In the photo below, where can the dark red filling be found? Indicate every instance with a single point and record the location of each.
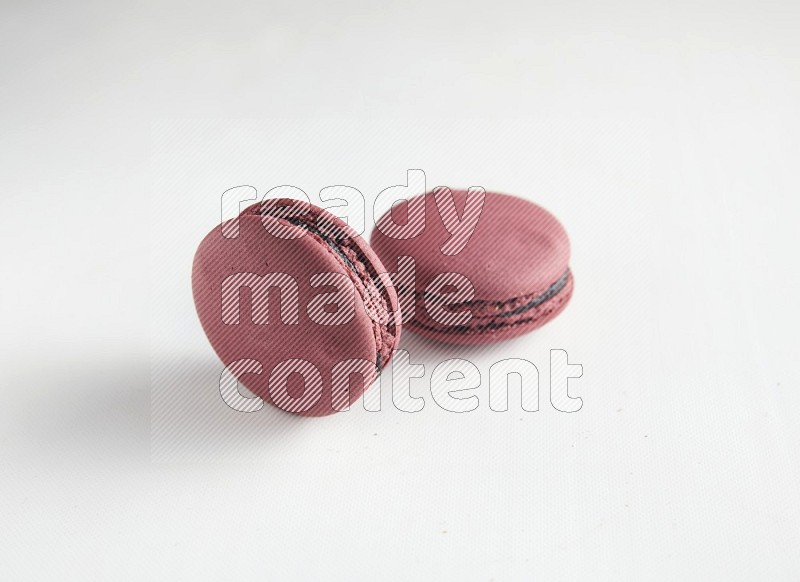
(359, 268)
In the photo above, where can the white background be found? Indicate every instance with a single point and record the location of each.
(664, 137)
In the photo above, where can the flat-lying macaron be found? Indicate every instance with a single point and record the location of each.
(297, 306)
(487, 266)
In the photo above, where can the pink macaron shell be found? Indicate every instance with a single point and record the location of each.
(517, 247)
(257, 251)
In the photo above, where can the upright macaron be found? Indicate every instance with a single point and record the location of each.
(486, 266)
(296, 305)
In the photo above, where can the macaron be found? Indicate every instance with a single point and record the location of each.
(486, 266)
(296, 305)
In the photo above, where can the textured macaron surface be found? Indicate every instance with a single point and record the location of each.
(516, 259)
(261, 296)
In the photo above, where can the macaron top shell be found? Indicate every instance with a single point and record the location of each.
(516, 249)
(291, 331)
